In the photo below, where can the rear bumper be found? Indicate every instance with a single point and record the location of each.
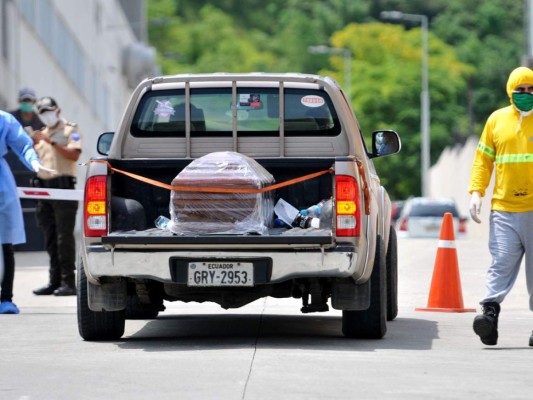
(156, 264)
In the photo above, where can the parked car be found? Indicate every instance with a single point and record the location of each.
(396, 210)
(422, 217)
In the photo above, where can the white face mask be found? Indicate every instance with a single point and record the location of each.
(49, 118)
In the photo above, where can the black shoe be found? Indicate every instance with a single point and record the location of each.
(486, 325)
(531, 340)
(65, 290)
(46, 290)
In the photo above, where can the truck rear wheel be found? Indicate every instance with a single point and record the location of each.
(94, 326)
(371, 323)
(392, 276)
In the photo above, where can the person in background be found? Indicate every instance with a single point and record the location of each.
(59, 147)
(506, 146)
(25, 114)
(13, 137)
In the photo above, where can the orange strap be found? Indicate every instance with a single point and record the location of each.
(180, 188)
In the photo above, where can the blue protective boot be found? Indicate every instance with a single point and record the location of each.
(7, 307)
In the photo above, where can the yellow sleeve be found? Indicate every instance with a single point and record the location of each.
(483, 160)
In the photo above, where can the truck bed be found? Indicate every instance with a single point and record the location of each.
(136, 205)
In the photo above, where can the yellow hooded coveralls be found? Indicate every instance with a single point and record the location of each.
(507, 143)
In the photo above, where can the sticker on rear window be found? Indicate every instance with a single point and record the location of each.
(164, 109)
(312, 101)
(252, 100)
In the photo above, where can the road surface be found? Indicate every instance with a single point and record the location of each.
(268, 350)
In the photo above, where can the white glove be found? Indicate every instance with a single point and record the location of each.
(475, 206)
(37, 166)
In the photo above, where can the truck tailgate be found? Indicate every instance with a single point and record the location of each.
(277, 238)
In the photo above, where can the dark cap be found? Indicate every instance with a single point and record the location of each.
(26, 94)
(46, 104)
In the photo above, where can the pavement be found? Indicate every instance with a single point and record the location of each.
(267, 349)
(31, 272)
(416, 267)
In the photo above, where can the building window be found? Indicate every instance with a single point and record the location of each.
(58, 38)
(5, 31)
(45, 21)
(91, 90)
(103, 103)
(27, 8)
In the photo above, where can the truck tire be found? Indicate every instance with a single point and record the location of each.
(371, 323)
(392, 276)
(95, 326)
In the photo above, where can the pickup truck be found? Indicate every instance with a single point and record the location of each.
(301, 130)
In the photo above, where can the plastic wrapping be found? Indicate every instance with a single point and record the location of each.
(222, 213)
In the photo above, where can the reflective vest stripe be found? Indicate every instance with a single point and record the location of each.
(486, 149)
(514, 158)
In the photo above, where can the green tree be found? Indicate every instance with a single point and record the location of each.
(219, 44)
(212, 42)
(279, 30)
(473, 46)
(488, 34)
(386, 84)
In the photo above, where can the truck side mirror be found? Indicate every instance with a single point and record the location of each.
(104, 143)
(385, 143)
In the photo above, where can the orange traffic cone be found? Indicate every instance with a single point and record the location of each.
(445, 294)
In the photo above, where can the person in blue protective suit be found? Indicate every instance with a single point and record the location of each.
(13, 137)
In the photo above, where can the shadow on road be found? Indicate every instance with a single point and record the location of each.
(213, 332)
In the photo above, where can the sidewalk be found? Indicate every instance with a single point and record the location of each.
(31, 272)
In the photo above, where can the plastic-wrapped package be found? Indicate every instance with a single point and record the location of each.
(222, 213)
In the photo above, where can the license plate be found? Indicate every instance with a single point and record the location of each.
(432, 227)
(220, 273)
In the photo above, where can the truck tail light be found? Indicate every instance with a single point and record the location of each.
(404, 224)
(95, 206)
(462, 224)
(347, 206)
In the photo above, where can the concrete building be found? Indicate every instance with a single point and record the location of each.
(87, 54)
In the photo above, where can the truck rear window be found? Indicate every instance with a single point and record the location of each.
(162, 113)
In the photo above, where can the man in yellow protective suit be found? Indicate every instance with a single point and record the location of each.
(506, 146)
